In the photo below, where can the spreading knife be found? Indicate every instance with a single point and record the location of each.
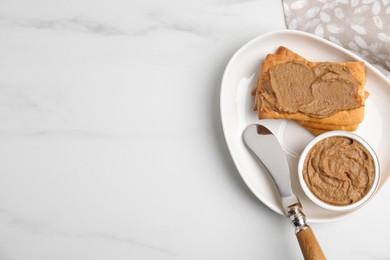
(268, 151)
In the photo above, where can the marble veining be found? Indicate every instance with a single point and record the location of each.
(43, 229)
(65, 24)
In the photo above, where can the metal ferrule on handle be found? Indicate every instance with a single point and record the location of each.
(297, 218)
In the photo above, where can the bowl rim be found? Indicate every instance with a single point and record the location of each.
(318, 201)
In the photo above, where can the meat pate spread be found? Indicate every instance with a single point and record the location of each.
(318, 91)
(339, 170)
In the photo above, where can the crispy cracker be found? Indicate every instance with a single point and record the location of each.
(342, 120)
(329, 127)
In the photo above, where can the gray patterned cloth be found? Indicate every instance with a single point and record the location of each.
(362, 26)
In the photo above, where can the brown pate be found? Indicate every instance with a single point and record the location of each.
(339, 170)
(319, 91)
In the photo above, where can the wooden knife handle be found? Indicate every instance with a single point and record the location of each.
(310, 247)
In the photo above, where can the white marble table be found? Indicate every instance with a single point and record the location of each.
(111, 145)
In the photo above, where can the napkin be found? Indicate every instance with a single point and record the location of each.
(361, 26)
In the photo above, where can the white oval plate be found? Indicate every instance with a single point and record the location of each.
(237, 112)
